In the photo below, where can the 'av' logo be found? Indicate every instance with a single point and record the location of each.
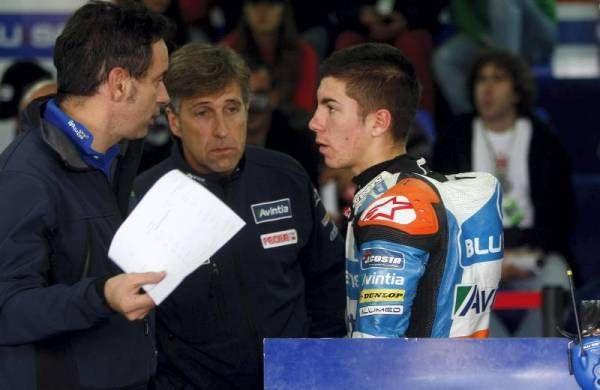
(468, 298)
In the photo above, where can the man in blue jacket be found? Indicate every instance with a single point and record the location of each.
(69, 319)
(282, 275)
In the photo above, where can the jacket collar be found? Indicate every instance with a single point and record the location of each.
(81, 137)
(56, 140)
(182, 165)
(402, 163)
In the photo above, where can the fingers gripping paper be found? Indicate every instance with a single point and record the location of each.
(175, 228)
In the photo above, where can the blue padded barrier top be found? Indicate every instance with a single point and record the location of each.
(494, 363)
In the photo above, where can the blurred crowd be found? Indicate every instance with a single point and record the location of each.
(477, 109)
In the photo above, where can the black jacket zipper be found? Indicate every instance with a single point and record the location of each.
(244, 297)
(216, 288)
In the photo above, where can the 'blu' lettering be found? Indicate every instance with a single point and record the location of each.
(473, 246)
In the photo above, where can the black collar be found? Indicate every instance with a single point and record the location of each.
(218, 178)
(402, 163)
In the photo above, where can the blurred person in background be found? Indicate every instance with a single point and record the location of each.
(503, 136)
(270, 128)
(267, 34)
(527, 28)
(15, 79)
(179, 34)
(408, 25)
(38, 89)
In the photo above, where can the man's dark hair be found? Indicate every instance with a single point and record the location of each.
(100, 36)
(201, 69)
(517, 70)
(377, 76)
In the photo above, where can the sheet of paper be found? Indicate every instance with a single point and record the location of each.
(175, 228)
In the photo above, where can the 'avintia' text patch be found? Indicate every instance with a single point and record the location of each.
(272, 211)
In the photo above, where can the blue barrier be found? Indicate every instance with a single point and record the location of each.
(494, 363)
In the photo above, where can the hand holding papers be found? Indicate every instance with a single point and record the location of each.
(175, 228)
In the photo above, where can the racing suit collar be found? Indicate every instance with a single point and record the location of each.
(401, 163)
(181, 164)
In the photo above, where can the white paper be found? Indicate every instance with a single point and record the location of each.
(175, 228)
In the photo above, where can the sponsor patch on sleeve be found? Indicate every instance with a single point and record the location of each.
(381, 258)
(408, 206)
(471, 300)
(372, 310)
(277, 239)
(381, 295)
(272, 211)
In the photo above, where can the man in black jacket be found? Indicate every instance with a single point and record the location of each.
(282, 275)
(69, 319)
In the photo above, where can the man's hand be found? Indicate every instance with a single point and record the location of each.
(123, 293)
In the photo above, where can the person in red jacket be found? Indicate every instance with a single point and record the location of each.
(267, 35)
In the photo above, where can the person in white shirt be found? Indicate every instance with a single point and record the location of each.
(504, 137)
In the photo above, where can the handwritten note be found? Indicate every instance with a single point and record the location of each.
(175, 228)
